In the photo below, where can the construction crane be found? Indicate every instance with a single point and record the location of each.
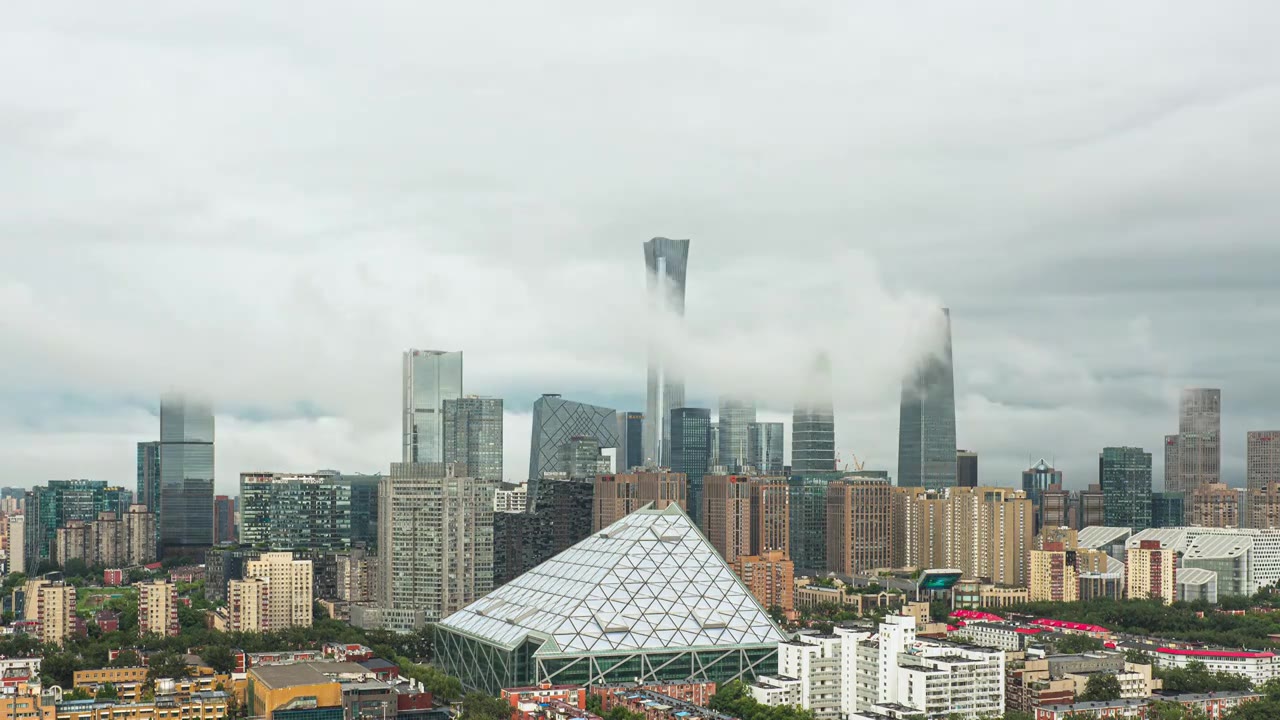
(858, 465)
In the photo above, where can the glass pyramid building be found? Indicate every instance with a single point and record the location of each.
(645, 599)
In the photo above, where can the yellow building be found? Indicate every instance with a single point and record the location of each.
(986, 532)
(1152, 572)
(289, 602)
(248, 605)
(272, 687)
(55, 610)
(201, 706)
(158, 608)
(1053, 574)
(1214, 504)
(113, 675)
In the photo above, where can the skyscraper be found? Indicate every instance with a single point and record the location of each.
(224, 519)
(770, 516)
(764, 447)
(666, 261)
(736, 416)
(149, 474)
(1126, 487)
(726, 514)
(927, 421)
(813, 425)
(808, 508)
(1262, 459)
(186, 475)
(430, 378)
(1035, 480)
(473, 435)
(1199, 438)
(630, 440)
(859, 524)
(691, 452)
(966, 468)
(1172, 479)
(556, 421)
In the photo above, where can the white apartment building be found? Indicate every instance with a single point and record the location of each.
(1259, 667)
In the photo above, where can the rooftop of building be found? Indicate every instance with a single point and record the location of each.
(1217, 547)
(1095, 537)
(305, 673)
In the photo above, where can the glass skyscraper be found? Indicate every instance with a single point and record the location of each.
(813, 425)
(473, 435)
(185, 515)
(430, 378)
(691, 451)
(630, 440)
(665, 261)
(927, 421)
(736, 414)
(556, 421)
(1126, 487)
(764, 447)
(1199, 441)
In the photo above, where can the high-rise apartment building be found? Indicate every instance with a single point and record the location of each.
(1199, 449)
(1264, 507)
(1214, 505)
(617, 496)
(556, 421)
(1035, 480)
(50, 506)
(859, 525)
(249, 605)
(473, 435)
(185, 516)
(111, 540)
(666, 263)
(1053, 574)
(289, 580)
(770, 577)
(435, 539)
(1125, 474)
(690, 453)
(737, 414)
(984, 531)
(813, 427)
(1262, 459)
(927, 420)
(1055, 508)
(149, 474)
(727, 515)
(966, 468)
(55, 610)
(224, 519)
(158, 609)
(630, 440)
(1152, 572)
(770, 516)
(295, 511)
(764, 448)
(17, 525)
(430, 378)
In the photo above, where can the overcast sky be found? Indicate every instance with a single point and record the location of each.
(268, 202)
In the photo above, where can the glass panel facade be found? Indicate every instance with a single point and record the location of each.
(691, 451)
(927, 421)
(430, 378)
(185, 514)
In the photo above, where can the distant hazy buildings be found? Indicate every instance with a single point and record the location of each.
(473, 435)
(1214, 505)
(186, 475)
(764, 447)
(52, 505)
(224, 519)
(736, 416)
(1198, 448)
(966, 468)
(1262, 459)
(1125, 473)
(813, 428)
(666, 262)
(556, 421)
(630, 440)
(1035, 480)
(149, 474)
(430, 378)
(691, 453)
(927, 421)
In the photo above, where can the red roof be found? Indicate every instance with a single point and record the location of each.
(976, 615)
(1214, 653)
(952, 628)
(1082, 627)
(1028, 631)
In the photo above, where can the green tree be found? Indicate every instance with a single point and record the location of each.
(107, 692)
(1101, 687)
(1018, 715)
(13, 581)
(127, 658)
(478, 706)
(219, 658)
(1267, 709)
(1137, 657)
(78, 693)
(1070, 644)
(594, 705)
(617, 712)
(166, 664)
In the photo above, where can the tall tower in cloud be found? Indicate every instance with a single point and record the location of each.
(665, 262)
(430, 378)
(813, 424)
(927, 421)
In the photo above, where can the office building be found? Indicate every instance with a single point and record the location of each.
(52, 505)
(1172, 478)
(582, 459)
(713, 443)
(630, 440)
(666, 262)
(430, 377)
(1091, 507)
(927, 420)
(295, 511)
(646, 599)
(224, 519)
(690, 453)
(149, 474)
(473, 435)
(770, 516)
(616, 496)
(436, 539)
(1262, 459)
(1264, 506)
(556, 421)
(764, 448)
(807, 497)
(859, 525)
(511, 498)
(1037, 479)
(966, 468)
(1151, 571)
(1167, 509)
(158, 608)
(727, 514)
(1214, 504)
(813, 426)
(1125, 474)
(288, 603)
(1230, 560)
(735, 419)
(770, 577)
(186, 475)
(1055, 508)
(1199, 444)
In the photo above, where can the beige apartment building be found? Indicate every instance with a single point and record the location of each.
(158, 608)
(617, 496)
(726, 514)
(859, 524)
(1152, 572)
(289, 603)
(1214, 504)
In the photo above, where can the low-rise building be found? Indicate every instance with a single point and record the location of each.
(1004, 636)
(1212, 705)
(1259, 667)
(200, 706)
(657, 706)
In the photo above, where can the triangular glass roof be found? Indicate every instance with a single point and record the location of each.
(646, 582)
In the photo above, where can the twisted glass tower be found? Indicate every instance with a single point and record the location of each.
(665, 261)
(927, 421)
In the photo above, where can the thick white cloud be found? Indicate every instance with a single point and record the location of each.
(271, 204)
